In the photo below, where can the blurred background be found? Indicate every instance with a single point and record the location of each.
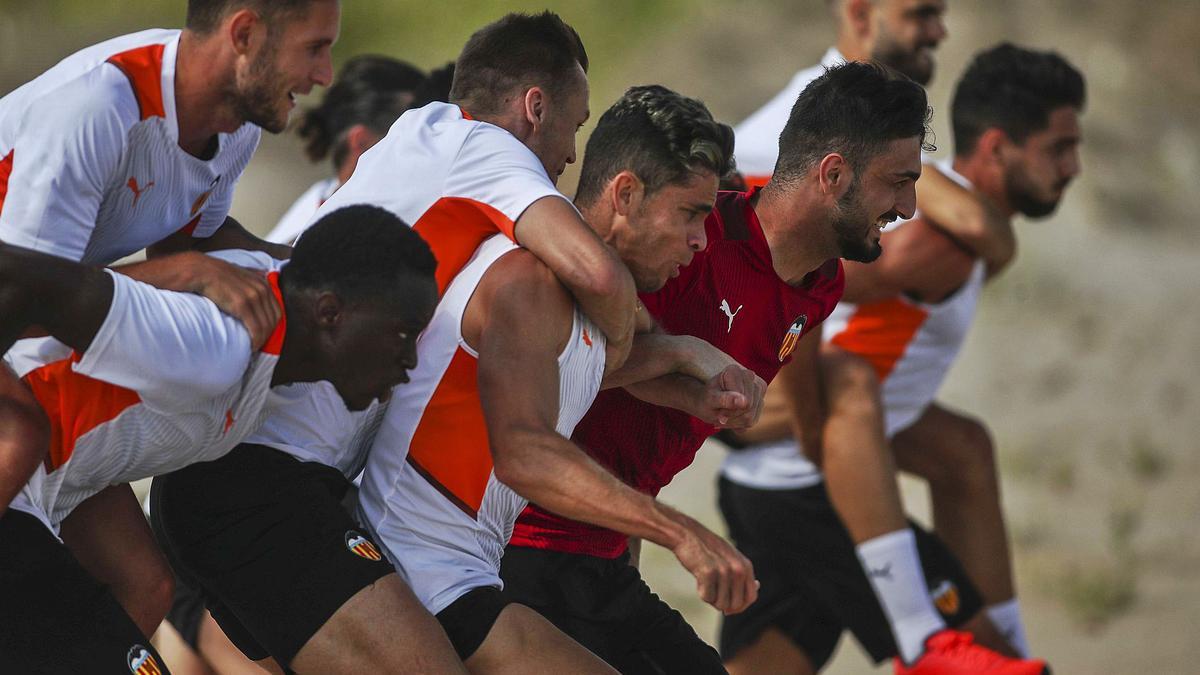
(1084, 359)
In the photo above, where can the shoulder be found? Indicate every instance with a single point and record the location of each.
(99, 100)
(522, 295)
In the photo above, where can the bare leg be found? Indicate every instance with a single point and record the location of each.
(109, 535)
(522, 642)
(955, 454)
(860, 472)
(176, 653)
(773, 652)
(383, 628)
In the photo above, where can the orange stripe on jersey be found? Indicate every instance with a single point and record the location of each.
(75, 404)
(5, 172)
(454, 227)
(450, 445)
(143, 67)
(880, 332)
(274, 343)
(756, 181)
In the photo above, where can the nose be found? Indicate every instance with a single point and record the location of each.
(1070, 164)
(323, 74)
(935, 30)
(906, 202)
(697, 237)
(571, 157)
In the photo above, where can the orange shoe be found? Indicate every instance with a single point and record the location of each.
(951, 652)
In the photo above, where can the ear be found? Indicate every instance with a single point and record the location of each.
(857, 15)
(328, 309)
(626, 191)
(993, 143)
(359, 139)
(240, 27)
(834, 175)
(535, 107)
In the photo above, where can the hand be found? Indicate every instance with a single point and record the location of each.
(724, 577)
(739, 393)
(242, 293)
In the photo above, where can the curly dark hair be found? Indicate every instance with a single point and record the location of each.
(661, 136)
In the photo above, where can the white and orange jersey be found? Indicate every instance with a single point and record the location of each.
(90, 163)
(457, 182)
(429, 493)
(168, 380)
(911, 346)
(756, 139)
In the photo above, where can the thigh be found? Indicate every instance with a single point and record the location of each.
(931, 446)
(56, 618)
(523, 642)
(267, 540)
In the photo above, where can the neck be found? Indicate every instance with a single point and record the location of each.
(600, 216)
(202, 82)
(852, 47)
(796, 230)
(988, 179)
(297, 356)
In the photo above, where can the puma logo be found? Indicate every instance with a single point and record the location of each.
(729, 313)
(884, 572)
(137, 191)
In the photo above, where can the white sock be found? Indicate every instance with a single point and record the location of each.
(894, 570)
(1007, 618)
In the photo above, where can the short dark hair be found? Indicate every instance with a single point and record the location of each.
(518, 51)
(853, 109)
(1014, 89)
(661, 136)
(358, 252)
(370, 90)
(203, 16)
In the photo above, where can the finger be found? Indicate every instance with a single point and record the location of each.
(707, 588)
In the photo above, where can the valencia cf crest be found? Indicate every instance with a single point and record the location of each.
(361, 546)
(946, 599)
(142, 662)
(793, 337)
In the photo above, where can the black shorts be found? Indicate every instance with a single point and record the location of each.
(604, 605)
(55, 617)
(265, 539)
(468, 620)
(813, 585)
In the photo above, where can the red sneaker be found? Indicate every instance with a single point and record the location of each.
(951, 652)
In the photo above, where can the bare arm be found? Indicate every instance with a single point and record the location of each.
(554, 231)
(67, 299)
(801, 384)
(24, 436)
(918, 260)
(968, 217)
(230, 235)
(532, 458)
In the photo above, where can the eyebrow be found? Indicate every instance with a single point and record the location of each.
(700, 206)
(909, 174)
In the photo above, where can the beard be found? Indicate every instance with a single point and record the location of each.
(257, 99)
(907, 60)
(852, 228)
(1023, 194)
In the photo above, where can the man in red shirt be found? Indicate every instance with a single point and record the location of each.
(850, 156)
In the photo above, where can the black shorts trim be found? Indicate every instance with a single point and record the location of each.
(468, 620)
(606, 606)
(57, 618)
(267, 542)
(813, 586)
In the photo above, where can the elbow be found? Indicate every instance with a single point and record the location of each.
(513, 466)
(24, 435)
(607, 278)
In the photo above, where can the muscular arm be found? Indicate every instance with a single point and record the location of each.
(67, 299)
(24, 436)
(918, 260)
(531, 457)
(554, 231)
(230, 235)
(968, 217)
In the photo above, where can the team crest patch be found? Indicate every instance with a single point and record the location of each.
(793, 337)
(946, 598)
(361, 546)
(142, 662)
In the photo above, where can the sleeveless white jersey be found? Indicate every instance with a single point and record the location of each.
(756, 139)
(429, 494)
(456, 181)
(168, 380)
(90, 163)
(911, 345)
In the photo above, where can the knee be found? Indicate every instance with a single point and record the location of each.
(967, 459)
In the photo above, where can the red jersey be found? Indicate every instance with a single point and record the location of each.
(730, 296)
